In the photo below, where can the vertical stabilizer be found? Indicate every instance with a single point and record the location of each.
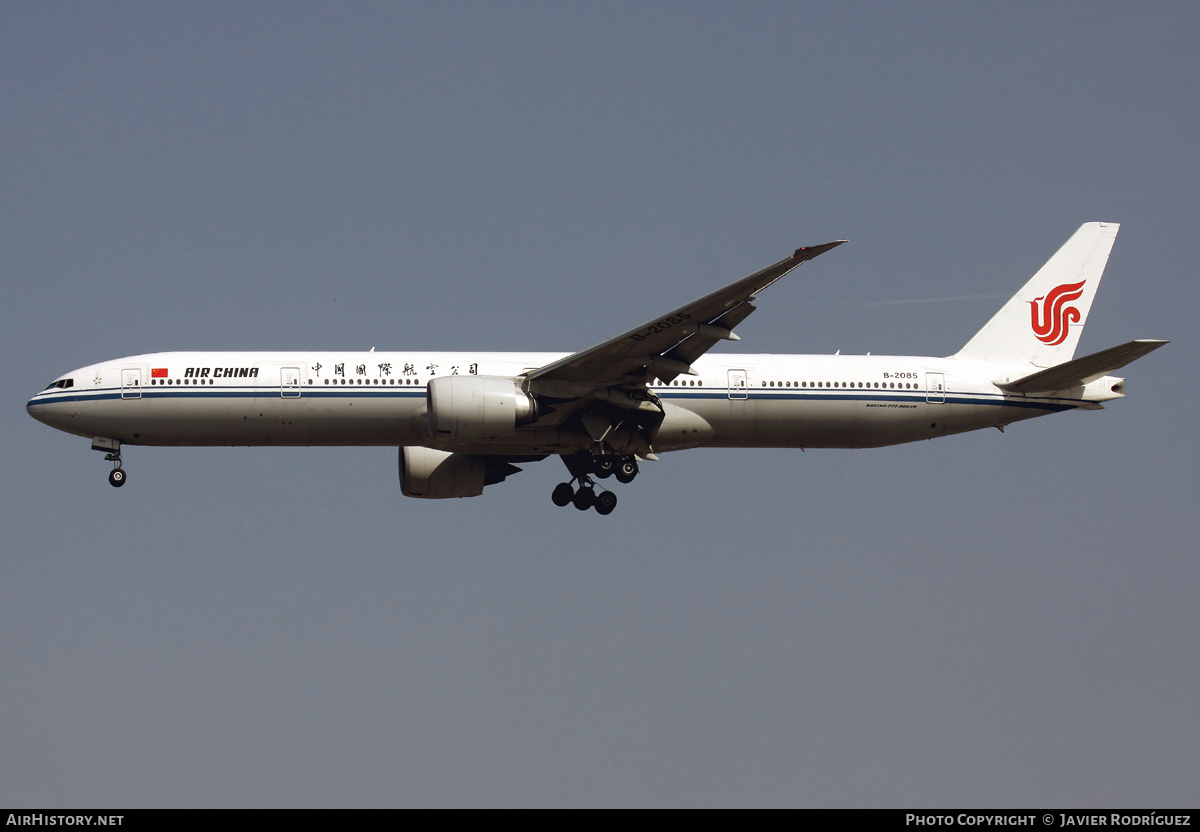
(1042, 323)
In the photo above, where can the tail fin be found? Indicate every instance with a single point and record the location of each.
(1042, 323)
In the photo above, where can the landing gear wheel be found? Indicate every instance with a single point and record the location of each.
(604, 466)
(605, 502)
(562, 495)
(116, 477)
(584, 498)
(627, 470)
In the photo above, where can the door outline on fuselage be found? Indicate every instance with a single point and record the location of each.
(935, 388)
(289, 382)
(131, 383)
(739, 384)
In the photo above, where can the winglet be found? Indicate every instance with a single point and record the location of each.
(809, 252)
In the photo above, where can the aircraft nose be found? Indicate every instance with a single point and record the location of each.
(35, 408)
(50, 412)
(57, 404)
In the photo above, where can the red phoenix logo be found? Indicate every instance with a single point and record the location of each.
(1050, 326)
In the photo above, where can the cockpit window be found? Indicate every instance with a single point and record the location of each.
(62, 384)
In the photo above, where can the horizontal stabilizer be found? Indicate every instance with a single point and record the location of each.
(1081, 371)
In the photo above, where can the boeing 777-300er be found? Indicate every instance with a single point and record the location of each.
(464, 420)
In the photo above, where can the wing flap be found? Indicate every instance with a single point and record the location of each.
(694, 346)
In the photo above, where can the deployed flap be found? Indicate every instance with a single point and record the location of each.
(672, 341)
(1082, 370)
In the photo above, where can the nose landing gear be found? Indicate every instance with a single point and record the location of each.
(116, 477)
(112, 453)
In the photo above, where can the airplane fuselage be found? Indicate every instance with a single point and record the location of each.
(379, 398)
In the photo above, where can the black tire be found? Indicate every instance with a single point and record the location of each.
(606, 501)
(584, 498)
(116, 477)
(627, 470)
(562, 494)
(604, 466)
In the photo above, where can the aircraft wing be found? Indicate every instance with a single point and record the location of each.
(666, 346)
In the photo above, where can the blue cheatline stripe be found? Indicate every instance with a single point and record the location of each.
(988, 399)
(227, 393)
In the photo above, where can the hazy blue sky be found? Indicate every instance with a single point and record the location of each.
(982, 621)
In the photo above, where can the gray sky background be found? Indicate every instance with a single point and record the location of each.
(982, 621)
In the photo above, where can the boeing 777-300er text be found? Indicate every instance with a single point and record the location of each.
(463, 420)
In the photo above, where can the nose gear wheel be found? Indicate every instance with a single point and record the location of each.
(116, 477)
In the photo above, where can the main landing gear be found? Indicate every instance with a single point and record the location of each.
(585, 498)
(582, 467)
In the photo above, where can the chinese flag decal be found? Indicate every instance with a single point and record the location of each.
(158, 372)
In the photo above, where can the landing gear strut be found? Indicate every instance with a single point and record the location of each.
(116, 477)
(112, 449)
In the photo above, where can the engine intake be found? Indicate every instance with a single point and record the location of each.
(471, 408)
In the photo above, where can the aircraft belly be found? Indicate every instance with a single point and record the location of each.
(851, 422)
(782, 423)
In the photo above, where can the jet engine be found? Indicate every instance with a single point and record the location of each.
(471, 408)
(437, 475)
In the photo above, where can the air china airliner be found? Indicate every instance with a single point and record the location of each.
(464, 420)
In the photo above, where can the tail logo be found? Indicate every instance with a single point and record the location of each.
(1050, 323)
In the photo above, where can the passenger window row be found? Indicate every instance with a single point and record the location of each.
(885, 385)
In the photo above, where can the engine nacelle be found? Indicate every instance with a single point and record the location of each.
(471, 408)
(438, 475)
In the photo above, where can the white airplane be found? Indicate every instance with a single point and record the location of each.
(461, 420)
